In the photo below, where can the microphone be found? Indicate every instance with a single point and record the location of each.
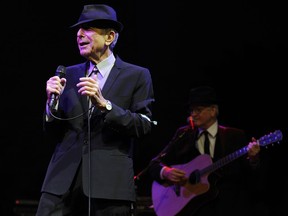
(191, 122)
(60, 72)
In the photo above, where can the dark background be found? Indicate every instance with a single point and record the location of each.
(238, 47)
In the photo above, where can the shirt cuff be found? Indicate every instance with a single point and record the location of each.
(161, 172)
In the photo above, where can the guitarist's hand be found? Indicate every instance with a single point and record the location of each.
(174, 175)
(253, 151)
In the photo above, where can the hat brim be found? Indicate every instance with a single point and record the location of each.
(191, 104)
(100, 23)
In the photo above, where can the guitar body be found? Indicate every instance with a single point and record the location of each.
(165, 200)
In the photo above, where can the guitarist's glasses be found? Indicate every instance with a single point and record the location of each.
(198, 109)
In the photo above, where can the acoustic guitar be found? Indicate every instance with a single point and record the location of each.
(168, 200)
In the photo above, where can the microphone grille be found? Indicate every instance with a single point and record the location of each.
(61, 71)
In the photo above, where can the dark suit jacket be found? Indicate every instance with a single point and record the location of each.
(232, 179)
(109, 149)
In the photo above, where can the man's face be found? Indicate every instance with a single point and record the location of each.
(203, 116)
(91, 42)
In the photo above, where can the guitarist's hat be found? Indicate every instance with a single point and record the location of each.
(203, 96)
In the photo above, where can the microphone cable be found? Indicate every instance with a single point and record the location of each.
(89, 113)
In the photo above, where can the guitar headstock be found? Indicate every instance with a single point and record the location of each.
(276, 136)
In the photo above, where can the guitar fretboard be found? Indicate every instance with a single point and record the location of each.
(220, 163)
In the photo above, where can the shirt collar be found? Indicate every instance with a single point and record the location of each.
(104, 66)
(213, 129)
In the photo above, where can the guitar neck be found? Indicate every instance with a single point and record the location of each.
(276, 136)
(222, 162)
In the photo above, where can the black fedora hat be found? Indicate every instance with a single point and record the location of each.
(99, 15)
(202, 96)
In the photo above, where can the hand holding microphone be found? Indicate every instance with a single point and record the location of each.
(55, 86)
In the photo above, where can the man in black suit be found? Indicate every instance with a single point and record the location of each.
(185, 155)
(95, 112)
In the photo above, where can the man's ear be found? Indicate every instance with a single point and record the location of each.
(109, 38)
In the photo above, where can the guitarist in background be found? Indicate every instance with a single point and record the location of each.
(231, 187)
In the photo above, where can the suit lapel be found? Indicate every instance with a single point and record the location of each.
(112, 76)
(220, 144)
